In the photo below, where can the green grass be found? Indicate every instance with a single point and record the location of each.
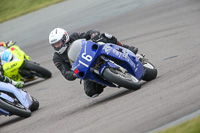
(191, 126)
(13, 8)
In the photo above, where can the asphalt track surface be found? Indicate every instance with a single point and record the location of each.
(166, 31)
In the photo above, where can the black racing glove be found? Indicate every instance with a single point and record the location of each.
(70, 75)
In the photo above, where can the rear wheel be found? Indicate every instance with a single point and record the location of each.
(14, 108)
(123, 79)
(37, 70)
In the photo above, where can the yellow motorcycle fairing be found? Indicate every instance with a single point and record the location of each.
(11, 68)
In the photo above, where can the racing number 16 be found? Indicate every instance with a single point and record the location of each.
(86, 57)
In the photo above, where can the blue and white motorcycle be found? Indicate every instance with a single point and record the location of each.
(109, 64)
(14, 101)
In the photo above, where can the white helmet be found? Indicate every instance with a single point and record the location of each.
(56, 36)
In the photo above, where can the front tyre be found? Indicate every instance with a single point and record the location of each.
(151, 72)
(123, 79)
(35, 104)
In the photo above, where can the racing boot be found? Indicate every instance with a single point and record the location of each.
(131, 48)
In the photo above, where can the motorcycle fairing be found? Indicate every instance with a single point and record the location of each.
(87, 59)
(22, 96)
(7, 97)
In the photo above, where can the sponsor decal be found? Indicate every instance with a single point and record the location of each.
(125, 54)
(107, 49)
(116, 52)
(9, 67)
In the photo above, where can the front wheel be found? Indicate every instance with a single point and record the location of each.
(123, 79)
(35, 104)
(151, 72)
(14, 108)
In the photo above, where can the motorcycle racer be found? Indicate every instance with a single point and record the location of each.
(10, 68)
(60, 40)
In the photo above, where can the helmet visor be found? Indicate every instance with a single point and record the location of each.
(58, 45)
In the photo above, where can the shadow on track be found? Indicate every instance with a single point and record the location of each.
(33, 82)
(96, 103)
(11, 121)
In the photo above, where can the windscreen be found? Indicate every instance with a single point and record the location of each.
(74, 50)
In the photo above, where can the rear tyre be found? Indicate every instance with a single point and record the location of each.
(151, 72)
(37, 70)
(14, 108)
(123, 79)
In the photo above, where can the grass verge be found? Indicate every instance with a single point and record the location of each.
(13, 8)
(191, 126)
